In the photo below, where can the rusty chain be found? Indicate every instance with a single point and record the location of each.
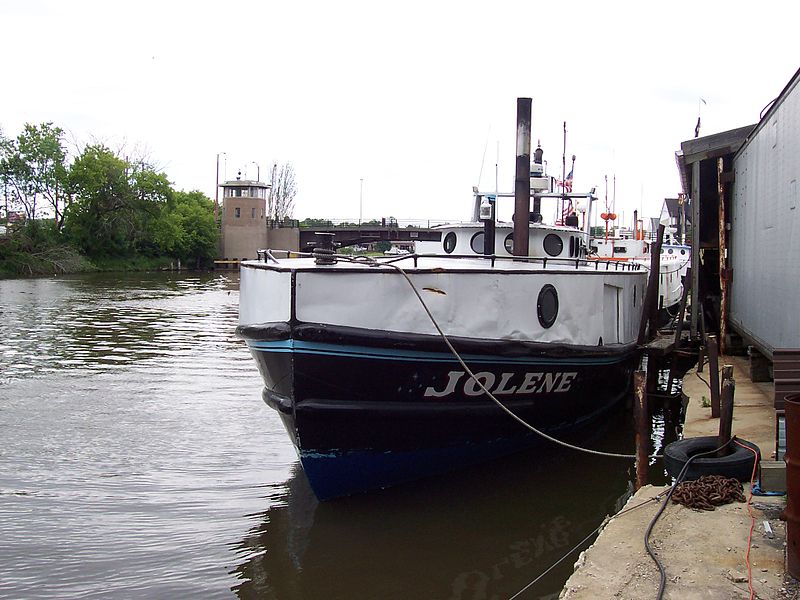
(708, 492)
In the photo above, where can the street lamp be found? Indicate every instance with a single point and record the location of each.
(258, 176)
(216, 189)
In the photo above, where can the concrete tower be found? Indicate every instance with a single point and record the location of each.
(244, 225)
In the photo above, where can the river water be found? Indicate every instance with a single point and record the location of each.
(137, 460)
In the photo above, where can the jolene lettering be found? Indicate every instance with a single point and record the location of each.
(505, 385)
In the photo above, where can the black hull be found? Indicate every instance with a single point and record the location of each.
(368, 411)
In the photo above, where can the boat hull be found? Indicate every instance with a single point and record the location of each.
(370, 409)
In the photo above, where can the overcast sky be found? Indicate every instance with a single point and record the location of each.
(412, 97)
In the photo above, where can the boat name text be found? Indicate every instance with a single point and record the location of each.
(504, 385)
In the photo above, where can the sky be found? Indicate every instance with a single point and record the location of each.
(396, 109)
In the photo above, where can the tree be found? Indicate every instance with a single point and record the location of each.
(32, 168)
(283, 189)
(117, 207)
(194, 213)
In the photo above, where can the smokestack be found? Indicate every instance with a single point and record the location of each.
(522, 181)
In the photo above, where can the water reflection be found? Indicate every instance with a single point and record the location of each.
(482, 533)
(103, 323)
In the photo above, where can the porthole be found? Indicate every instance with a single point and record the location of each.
(670, 251)
(476, 243)
(683, 252)
(553, 244)
(449, 242)
(547, 306)
(508, 244)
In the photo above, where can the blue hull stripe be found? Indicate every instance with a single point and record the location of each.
(302, 347)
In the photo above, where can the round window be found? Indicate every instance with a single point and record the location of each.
(449, 242)
(553, 244)
(508, 244)
(547, 306)
(476, 243)
(670, 251)
(683, 252)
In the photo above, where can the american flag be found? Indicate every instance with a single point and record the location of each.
(567, 183)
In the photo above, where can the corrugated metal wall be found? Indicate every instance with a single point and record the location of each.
(764, 248)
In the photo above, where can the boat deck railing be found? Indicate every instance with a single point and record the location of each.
(268, 254)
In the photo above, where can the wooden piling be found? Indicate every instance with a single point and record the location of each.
(642, 426)
(713, 374)
(723, 279)
(650, 305)
(701, 358)
(726, 414)
(687, 282)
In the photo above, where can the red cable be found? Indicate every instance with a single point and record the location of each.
(752, 518)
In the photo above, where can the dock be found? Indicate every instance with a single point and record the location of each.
(703, 552)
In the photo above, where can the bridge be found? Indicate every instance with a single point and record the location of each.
(368, 234)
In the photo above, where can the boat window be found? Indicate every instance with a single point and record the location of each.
(476, 243)
(683, 252)
(509, 243)
(547, 305)
(449, 242)
(620, 250)
(572, 245)
(553, 244)
(670, 251)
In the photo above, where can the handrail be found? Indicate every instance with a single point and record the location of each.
(265, 255)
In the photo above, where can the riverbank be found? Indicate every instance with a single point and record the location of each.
(66, 261)
(704, 553)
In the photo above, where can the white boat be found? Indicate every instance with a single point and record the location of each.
(380, 367)
(635, 246)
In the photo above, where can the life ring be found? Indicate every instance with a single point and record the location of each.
(738, 464)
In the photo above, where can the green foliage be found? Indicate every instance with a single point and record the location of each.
(37, 248)
(383, 246)
(316, 223)
(196, 238)
(597, 231)
(122, 209)
(33, 170)
(119, 213)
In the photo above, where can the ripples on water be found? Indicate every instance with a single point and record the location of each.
(138, 461)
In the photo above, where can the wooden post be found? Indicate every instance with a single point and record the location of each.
(642, 427)
(701, 357)
(655, 263)
(723, 282)
(687, 282)
(695, 197)
(650, 304)
(726, 415)
(713, 374)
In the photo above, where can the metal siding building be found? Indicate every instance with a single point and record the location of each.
(764, 248)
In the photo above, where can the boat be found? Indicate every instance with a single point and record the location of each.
(636, 245)
(389, 369)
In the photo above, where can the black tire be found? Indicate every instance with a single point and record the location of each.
(738, 464)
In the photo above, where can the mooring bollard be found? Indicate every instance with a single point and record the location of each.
(713, 374)
(642, 423)
(792, 458)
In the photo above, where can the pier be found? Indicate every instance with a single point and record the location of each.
(703, 552)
